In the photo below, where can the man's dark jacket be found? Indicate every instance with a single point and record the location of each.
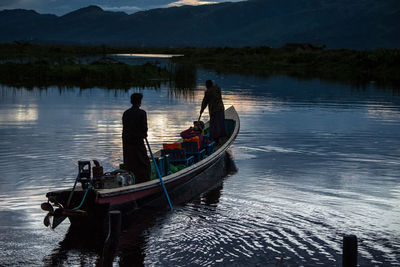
(134, 122)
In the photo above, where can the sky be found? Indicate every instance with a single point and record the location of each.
(61, 7)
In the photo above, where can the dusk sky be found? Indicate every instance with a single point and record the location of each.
(61, 7)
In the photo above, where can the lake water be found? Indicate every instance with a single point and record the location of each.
(315, 161)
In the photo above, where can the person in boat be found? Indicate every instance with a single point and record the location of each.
(213, 99)
(134, 131)
(196, 130)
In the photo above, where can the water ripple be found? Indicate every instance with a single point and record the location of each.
(312, 168)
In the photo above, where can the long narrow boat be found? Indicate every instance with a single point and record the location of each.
(91, 204)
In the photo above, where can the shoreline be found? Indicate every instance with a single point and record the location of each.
(357, 68)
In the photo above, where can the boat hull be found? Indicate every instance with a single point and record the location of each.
(181, 186)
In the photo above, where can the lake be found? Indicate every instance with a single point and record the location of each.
(316, 161)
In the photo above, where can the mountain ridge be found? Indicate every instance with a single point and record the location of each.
(360, 24)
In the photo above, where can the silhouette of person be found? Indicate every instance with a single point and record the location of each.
(213, 99)
(134, 122)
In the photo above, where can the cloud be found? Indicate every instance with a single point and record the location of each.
(191, 3)
(16, 3)
(127, 9)
(61, 7)
(6, 3)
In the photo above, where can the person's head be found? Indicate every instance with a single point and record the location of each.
(136, 99)
(198, 125)
(209, 84)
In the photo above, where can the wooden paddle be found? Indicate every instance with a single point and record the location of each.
(159, 175)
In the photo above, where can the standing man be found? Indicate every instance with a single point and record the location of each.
(213, 98)
(134, 122)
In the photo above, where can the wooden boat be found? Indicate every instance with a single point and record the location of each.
(92, 204)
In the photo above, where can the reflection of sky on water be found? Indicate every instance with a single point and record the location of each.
(20, 114)
(146, 56)
(139, 59)
(316, 161)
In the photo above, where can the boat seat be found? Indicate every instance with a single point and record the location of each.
(178, 156)
(192, 149)
(208, 145)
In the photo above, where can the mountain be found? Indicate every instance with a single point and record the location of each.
(358, 24)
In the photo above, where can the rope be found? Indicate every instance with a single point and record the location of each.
(83, 199)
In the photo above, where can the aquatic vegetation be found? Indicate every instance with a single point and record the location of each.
(54, 63)
(63, 53)
(381, 66)
(27, 65)
(98, 74)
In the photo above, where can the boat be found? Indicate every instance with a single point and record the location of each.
(87, 203)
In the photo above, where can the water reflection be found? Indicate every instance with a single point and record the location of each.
(136, 227)
(315, 161)
(356, 82)
(76, 247)
(21, 114)
(134, 56)
(185, 77)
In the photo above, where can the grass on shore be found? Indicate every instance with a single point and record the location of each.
(112, 75)
(64, 53)
(359, 68)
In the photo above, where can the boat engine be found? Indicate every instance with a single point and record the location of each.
(98, 180)
(58, 208)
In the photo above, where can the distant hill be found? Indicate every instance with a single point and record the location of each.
(358, 24)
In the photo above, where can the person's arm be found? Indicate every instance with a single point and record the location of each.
(123, 122)
(205, 101)
(144, 124)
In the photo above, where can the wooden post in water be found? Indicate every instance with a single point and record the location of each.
(349, 251)
(111, 242)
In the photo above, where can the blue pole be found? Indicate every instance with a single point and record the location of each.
(159, 175)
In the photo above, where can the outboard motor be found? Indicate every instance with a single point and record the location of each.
(62, 210)
(98, 180)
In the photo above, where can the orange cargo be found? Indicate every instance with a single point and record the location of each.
(172, 146)
(193, 139)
